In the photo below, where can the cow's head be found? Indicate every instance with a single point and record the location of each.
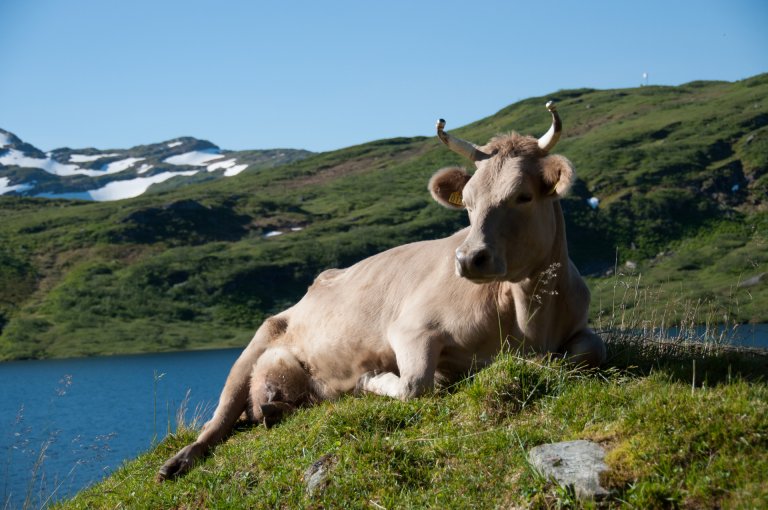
(513, 223)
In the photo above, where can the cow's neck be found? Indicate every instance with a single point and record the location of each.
(529, 302)
(556, 262)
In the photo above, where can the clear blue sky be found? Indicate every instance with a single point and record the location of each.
(324, 75)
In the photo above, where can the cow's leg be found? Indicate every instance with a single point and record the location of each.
(232, 402)
(279, 384)
(416, 361)
(585, 348)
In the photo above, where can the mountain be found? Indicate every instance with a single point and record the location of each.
(671, 201)
(91, 174)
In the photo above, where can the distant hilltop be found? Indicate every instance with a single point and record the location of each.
(92, 174)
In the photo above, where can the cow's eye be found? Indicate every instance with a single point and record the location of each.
(523, 199)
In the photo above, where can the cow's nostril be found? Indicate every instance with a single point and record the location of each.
(480, 259)
(473, 263)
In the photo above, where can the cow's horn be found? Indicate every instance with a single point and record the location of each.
(459, 146)
(550, 138)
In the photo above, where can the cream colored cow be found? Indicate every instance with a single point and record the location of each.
(396, 323)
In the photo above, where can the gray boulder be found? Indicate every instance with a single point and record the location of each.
(572, 463)
(316, 476)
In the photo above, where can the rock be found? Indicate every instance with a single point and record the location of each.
(751, 282)
(572, 463)
(316, 475)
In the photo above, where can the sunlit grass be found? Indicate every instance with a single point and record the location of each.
(685, 425)
(668, 443)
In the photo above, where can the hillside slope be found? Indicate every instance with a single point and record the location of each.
(669, 444)
(680, 175)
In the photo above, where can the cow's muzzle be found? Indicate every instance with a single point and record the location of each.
(478, 265)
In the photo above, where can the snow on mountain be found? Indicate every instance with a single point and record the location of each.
(119, 166)
(91, 174)
(194, 158)
(230, 167)
(201, 158)
(83, 158)
(15, 157)
(118, 190)
(221, 164)
(5, 186)
(231, 172)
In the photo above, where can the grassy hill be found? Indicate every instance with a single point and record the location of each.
(681, 174)
(682, 428)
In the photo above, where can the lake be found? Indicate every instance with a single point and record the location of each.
(87, 416)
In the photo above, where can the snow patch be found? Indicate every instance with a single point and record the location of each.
(5, 185)
(230, 167)
(229, 172)
(5, 139)
(145, 168)
(119, 166)
(171, 145)
(194, 158)
(84, 158)
(17, 158)
(222, 164)
(118, 190)
(275, 233)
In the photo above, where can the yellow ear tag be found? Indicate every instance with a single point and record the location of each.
(455, 199)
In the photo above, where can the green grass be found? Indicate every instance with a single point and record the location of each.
(670, 443)
(191, 264)
(696, 280)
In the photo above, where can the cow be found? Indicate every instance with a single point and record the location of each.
(429, 312)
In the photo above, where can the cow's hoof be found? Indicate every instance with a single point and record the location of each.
(360, 386)
(179, 463)
(172, 469)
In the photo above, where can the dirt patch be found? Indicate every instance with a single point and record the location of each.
(355, 167)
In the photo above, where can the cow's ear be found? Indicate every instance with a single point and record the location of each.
(446, 187)
(557, 175)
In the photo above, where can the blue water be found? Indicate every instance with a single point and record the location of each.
(87, 416)
(81, 418)
(744, 335)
